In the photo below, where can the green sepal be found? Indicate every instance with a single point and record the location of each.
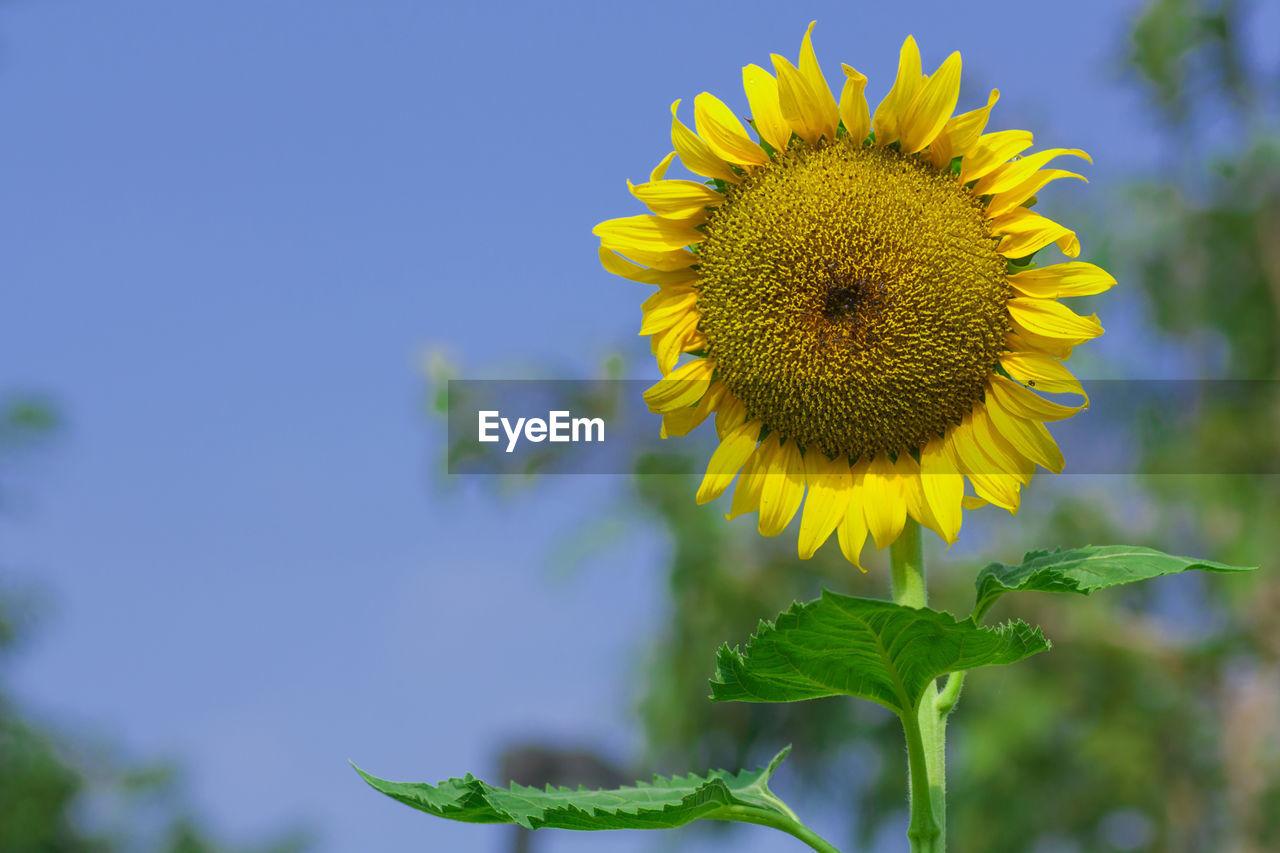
(866, 647)
(662, 804)
(1083, 570)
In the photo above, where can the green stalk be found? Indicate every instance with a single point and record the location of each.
(926, 728)
(793, 827)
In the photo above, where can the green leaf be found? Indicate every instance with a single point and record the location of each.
(866, 647)
(663, 804)
(1082, 570)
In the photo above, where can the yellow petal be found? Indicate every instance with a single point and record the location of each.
(999, 489)
(724, 134)
(676, 260)
(1029, 438)
(1009, 175)
(734, 451)
(695, 154)
(621, 266)
(931, 108)
(1026, 403)
(1005, 456)
(660, 171)
(829, 482)
(943, 489)
(801, 107)
(1024, 341)
(766, 112)
(746, 495)
(1051, 319)
(908, 471)
(854, 111)
(1069, 244)
(1004, 202)
(825, 104)
(1074, 278)
(961, 133)
(646, 234)
(991, 150)
(665, 308)
(695, 341)
(1042, 373)
(888, 115)
(1026, 232)
(852, 531)
(668, 344)
(683, 387)
(884, 503)
(684, 421)
(731, 414)
(677, 199)
(984, 472)
(939, 153)
(783, 489)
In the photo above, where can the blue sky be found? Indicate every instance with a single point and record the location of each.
(227, 234)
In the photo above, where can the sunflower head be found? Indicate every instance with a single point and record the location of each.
(856, 298)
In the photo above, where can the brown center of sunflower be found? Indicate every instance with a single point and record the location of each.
(853, 298)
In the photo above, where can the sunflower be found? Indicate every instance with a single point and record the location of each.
(853, 298)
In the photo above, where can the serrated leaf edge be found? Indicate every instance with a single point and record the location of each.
(740, 654)
(718, 781)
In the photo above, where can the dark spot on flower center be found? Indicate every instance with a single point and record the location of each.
(842, 301)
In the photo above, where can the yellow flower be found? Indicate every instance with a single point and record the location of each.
(855, 295)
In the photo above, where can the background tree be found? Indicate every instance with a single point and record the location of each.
(50, 779)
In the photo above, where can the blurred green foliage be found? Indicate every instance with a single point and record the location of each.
(1186, 50)
(50, 781)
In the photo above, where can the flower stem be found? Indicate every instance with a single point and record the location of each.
(925, 727)
(906, 565)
